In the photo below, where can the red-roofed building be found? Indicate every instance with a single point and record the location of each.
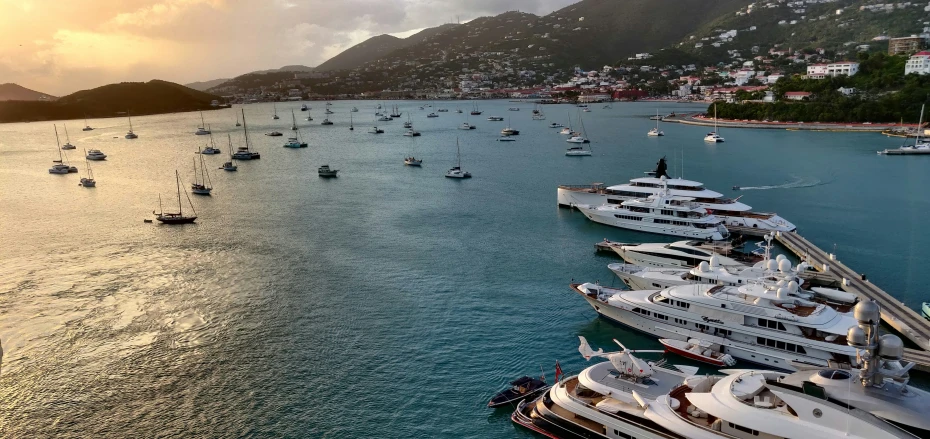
(797, 95)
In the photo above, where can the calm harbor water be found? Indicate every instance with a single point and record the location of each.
(389, 302)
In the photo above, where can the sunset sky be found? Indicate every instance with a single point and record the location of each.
(62, 46)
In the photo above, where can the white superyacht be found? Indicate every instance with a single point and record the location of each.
(661, 213)
(777, 328)
(732, 212)
(872, 401)
(680, 254)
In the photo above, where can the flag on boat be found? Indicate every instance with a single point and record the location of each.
(558, 371)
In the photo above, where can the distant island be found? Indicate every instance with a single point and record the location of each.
(139, 98)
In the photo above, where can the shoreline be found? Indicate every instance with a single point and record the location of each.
(696, 119)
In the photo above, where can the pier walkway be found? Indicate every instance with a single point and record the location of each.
(894, 313)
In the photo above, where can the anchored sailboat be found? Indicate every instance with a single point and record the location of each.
(179, 217)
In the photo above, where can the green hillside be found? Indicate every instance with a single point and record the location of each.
(153, 97)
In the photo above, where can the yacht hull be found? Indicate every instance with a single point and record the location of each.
(740, 351)
(572, 197)
(651, 227)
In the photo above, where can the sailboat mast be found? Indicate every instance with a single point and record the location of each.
(177, 179)
(919, 125)
(129, 114)
(201, 119)
(245, 130)
(195, 171)
(58, 142)
(458, 153)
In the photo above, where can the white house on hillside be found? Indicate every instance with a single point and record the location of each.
(919, 63)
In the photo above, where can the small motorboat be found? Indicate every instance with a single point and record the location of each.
(326, 122)
(699, 350)
(432, 115)
(412, 133)
(495, 118)
(925, 310)
(466, 126)
(513, 109)
(577, 139)
(304, 107)
(412, 161)
(520, 389)
(376, 130)
(325, 171)
(210, 150)
(735, 188)
(274, 134)
(510, 132)
(555, 125)
(506, 139)
(385, 119)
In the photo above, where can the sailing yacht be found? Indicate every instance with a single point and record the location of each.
(475, 112)
(412, 160)
(229, 166)
(456, 171)
(915, 149)
(237, 120)
(328, 111)
(579, 137)
(201, 186)
(212, 149)
(60, 167)
(396, 112)
(130, 134)
(714, 136)
(733, 212)
(67, 144)
(89, 180)
(201, 131)
(655, 131)
(293, 121)
(275, 117)
(408, 123)
(179, 217)
(508, 131)
(243, 152)
(351, 126)
(86, 126)
(537, 113)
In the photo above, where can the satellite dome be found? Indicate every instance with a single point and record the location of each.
(771, 265)
(780, 257)
(714, 261)
(890, 347)
(792, 286)
(703, 267)
(867, 311)
(784, 265)
(855, 337)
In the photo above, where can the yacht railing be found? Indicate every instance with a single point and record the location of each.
(587, 404)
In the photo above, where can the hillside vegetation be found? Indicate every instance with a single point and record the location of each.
(153, 97)
(882, 94)
(16, 92)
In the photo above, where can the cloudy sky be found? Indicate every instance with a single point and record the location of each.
(61, 46)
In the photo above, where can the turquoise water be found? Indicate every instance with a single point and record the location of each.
(389, 302)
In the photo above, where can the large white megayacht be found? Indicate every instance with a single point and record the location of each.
(660, 213)
(767, 273)
(732, 212)
(680, 254)
(616, 399)
(779, 327)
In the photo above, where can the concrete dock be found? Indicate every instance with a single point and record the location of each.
(894, 313)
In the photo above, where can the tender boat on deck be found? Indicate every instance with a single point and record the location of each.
(698, 350)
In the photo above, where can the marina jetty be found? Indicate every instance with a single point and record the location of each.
(894, 313)
(700, 120)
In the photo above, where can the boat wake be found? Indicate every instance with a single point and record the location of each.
(797, 183)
